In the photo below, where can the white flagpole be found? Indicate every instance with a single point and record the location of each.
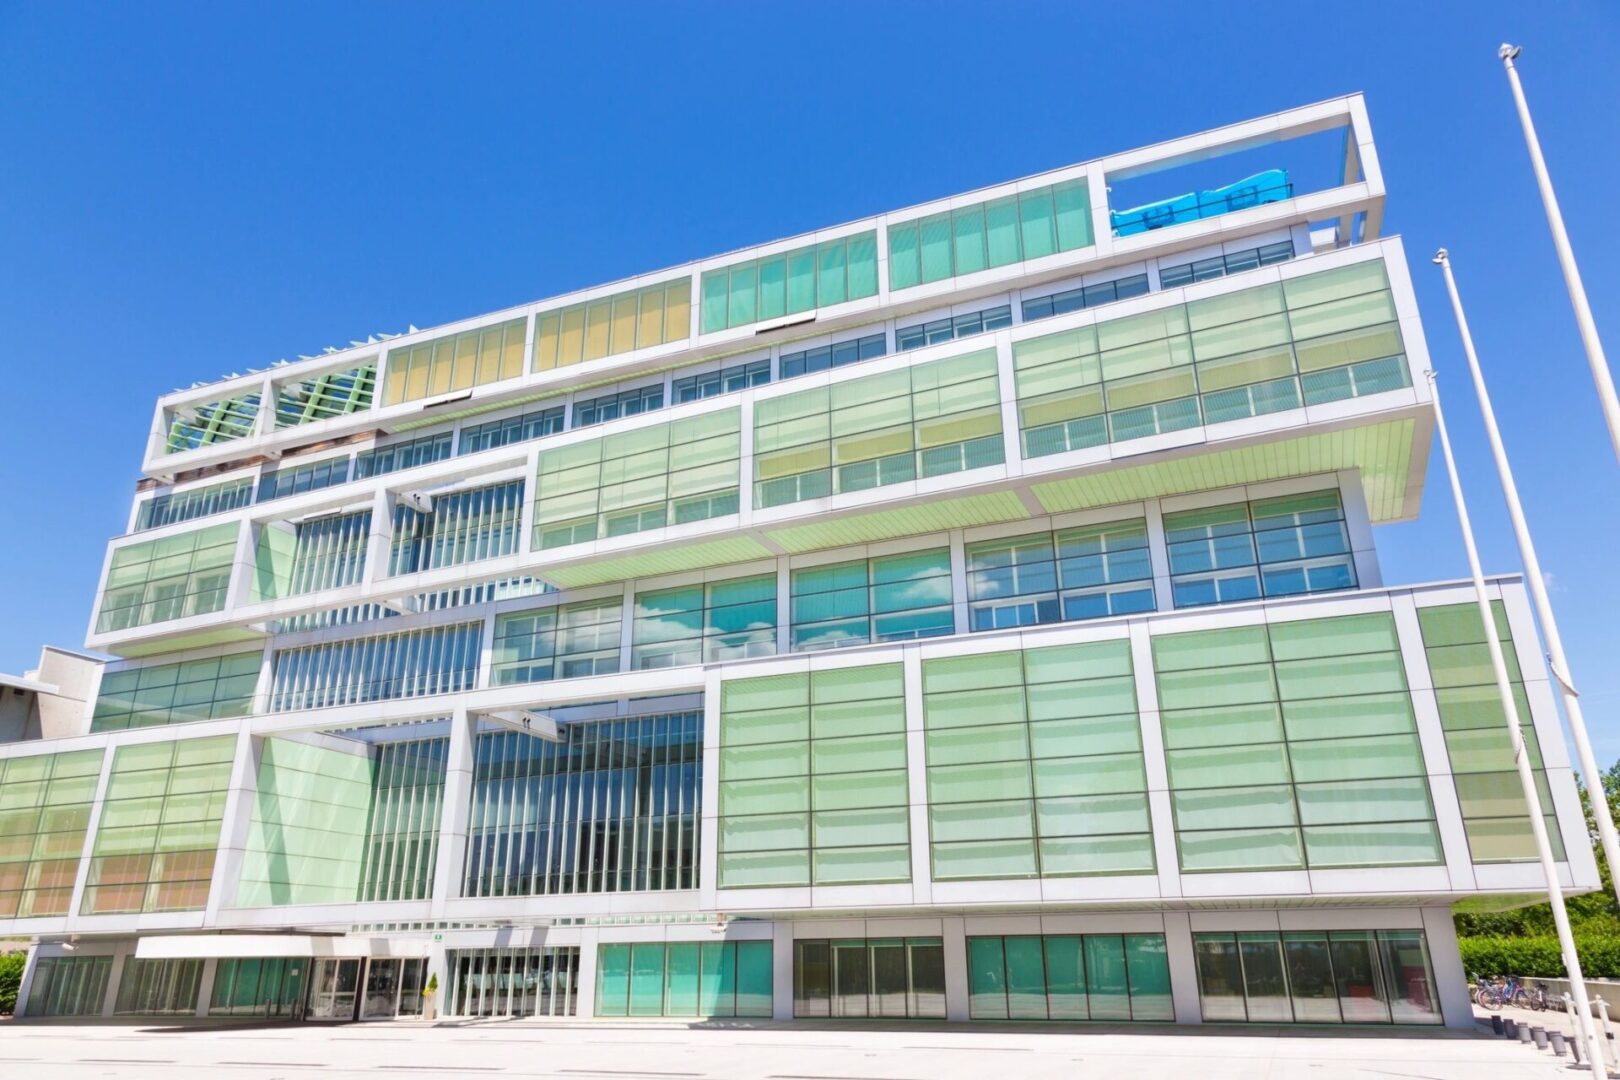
(1538, 588)
(1566, 257)
(1521, 759)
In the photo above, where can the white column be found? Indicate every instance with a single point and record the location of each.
(236, 824)
(456, 812)
(922, 874)
(959, 584)
(1158, 556)
(82, 877)
(1153, 760)
(953, 936)
(26, 987)
(1450, 980)
(781, 970)
(585, 996)
(120, 958)
(205, 985)
(1178, 946)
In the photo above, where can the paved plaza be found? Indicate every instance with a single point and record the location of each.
(755, 1051)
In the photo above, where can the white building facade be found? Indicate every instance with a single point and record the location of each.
(971, 612)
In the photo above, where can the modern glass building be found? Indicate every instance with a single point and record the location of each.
(968, 612)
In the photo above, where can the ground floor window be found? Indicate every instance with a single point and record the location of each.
(513, 982)
(1069, 977)
(69, 985)
(684, 978)
(259, 986)
(159, 987)
(869, 977)
(1317, 977)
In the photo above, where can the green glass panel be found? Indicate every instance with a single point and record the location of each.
(751, 869)
(987, 979)
(612, 980)
(1232, 766)
(1079, 855)
(1408, 843)
(1026, 978)
(984, 859)
(1217, 686)
(1065, 978)
(1241, 849)
(854, 828)
(1106, 977)
(853, 791)
(1342, 636)
(1009, 820)
(1147, 963)
(1372, 714)
(968, 745)
(842, 866)
(647, 979)
(1093, 735)
(1233, 725)
(1210, 648)
(1088, 815)
(1107, 774)
(1365, 758)
(681, 969)
(718, 979)
(754, 978)
(973, 783)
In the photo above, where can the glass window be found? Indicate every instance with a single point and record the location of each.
(722, 620)
(455, 362)
(799, 280)
(599, 410)
(382, 667)
(534, 424)
(888, 977)
(1270, 547)
(637, 319)
(1082, 573)
(459, 527)
(399, 456)
(1080, 298)
(563, 642)
(726, 380)
(322, 397)
(1339, 976)
(193, 503)
(953, 327)
(205, 689)
(892, 598)
(633, 481)
(172, 578)
(211, 423)
(990, 234)
(822, 358)
(44, 813)
(1233, 262)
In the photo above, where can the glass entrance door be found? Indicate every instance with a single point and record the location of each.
(333, 992)
(381, 1001)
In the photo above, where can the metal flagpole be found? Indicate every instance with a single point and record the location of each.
(1527, 780)
(1566, 257)
(1538, 589)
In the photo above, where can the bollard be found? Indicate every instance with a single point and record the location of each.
(1524, 1033)
(1557, 1040)
(1496, 1025)
(1539, 1035)
(1613, 1054)
(1510, 1028)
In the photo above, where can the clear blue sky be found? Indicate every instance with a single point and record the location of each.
(189, 190)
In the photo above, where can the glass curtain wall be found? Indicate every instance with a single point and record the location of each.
(1035, 764)
(613, 807)
(1477, 743)
(684, 978)
(455, 362)
(1317, 977)
(176, 507)
(321, 397)
(1069, 977)
(259, 986)
(414, 663)
(1013, 228)
(888, 977)
(159, 987)
(567, 641)
(462, 527)
(172, 578)
(1294, 745)
(635, 319)
(926, 420)
(1310, 340)
(513, 982)
(45, 806)
(803, 279)
(69, 986)
(813, 779)
(402, 831)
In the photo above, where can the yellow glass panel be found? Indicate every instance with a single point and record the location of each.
(678, 310)
(1060, 407)
(442, 365)
(571, 347)
(465, 368)
(958, 428)
(489, 356)
(546, 334)
(790, 462)
(512, 350)
(650, 330)
(1257, 366)
(1352, 346)
(597, 317)
(872, 444)
(394, 392)
(416, 384)
(1161, 386)
(1149, 356)
(623, 336)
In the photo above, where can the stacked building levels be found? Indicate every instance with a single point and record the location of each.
(967, 612)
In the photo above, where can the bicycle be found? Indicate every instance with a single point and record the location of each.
(1507, 992)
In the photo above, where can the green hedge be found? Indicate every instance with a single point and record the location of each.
(1538, 957)
(11, 970)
